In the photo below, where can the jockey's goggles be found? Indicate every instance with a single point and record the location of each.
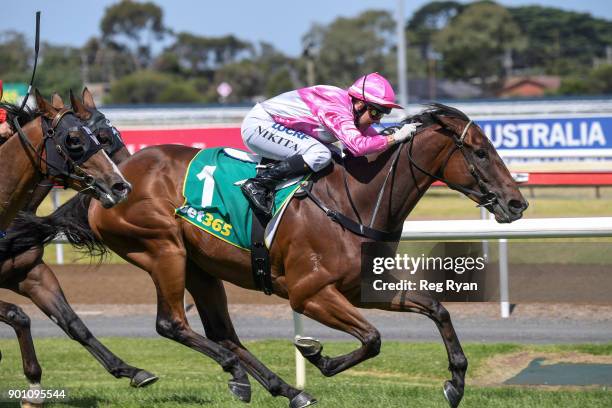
(376, 112)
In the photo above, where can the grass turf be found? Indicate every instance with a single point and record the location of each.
(403, 375)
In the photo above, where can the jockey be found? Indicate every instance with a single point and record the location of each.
(295, 127)
(5, 127)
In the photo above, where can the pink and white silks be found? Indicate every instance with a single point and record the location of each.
(303, 121)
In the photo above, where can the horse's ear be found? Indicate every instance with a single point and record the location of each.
(78, 107)
(57, 101)
(44, 107)
(88, 99)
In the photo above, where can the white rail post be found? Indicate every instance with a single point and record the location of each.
(59, 248)
(485, 244)
(300, 362)
(504, 296)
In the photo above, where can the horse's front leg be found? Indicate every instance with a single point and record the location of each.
(42, 287)
(20, 322)
(453, 389)
(211, 301)
(329, 307)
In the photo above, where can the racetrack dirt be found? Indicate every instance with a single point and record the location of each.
(124, 284)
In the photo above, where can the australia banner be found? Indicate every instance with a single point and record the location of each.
(514, 138)
(551, 137)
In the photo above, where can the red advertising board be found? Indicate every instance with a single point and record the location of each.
(203, 137)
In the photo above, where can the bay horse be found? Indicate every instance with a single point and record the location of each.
(315, 262)
(49, 131)
(28, 275)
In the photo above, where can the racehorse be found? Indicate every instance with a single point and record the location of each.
(81, 164)
(27, 274)
(315, 262)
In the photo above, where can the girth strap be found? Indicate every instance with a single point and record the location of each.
(260, 256)
(355, 227)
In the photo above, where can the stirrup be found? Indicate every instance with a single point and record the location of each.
(249, 191)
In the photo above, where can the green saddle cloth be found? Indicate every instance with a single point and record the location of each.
(213, 199)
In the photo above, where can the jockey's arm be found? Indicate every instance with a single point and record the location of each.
(357, 143)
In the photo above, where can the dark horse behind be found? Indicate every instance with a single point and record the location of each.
(27, 274)
(315, 262)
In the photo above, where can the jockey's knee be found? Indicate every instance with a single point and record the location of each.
(317, 157)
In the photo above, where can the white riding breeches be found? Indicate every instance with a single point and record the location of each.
(272, 140)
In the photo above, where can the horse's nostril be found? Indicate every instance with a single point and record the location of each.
(89, 180)
(517, 205)
(121, 188)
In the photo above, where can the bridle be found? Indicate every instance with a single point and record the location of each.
(486, 198)
(60, 162)
(97, 122)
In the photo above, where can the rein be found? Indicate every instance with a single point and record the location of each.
(357, 227)
(485, 197)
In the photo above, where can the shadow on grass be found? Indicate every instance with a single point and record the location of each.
(89, 402)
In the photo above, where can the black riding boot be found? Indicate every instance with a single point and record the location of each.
(260, 189)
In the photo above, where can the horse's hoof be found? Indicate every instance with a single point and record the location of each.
(302, 400)
(142, 379)
(452, 395)
(308, 346)
(240, 390)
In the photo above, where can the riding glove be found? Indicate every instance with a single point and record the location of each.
(405, 132)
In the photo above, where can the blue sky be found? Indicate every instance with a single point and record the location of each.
(280, 22)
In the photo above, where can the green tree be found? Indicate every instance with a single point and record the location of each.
(350, 47)
(152, 87)
(560, 42)
(193, 55)
(245, 77)
(428, 20)
(601, 79)
(598, 81)
(134, 25)
(16, 55)
(59, 69)
(475, 43)
(280, 71)
(105, 62)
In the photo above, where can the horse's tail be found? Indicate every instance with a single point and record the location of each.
(70, 220)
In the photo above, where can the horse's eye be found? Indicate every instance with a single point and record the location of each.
(481, 153)
(104, 137)
(74, 143)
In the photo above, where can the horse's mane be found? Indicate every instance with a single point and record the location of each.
(24, 115)
(429, 116)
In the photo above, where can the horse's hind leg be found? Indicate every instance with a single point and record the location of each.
(210, 299)
(167, 269)
(42, 287)
(20, 322)
(453, 389)
(330, 307)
